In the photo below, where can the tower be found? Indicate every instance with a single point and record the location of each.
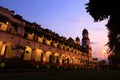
(85, 39)
(86, 42)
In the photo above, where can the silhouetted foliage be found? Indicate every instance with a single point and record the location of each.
(114, 60)
(102, 62)
(102, 9)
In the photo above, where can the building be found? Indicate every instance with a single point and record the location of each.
(32, 44)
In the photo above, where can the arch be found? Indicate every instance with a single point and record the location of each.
(73, 60)
(38, 55)
(48, 57)
(7, 50)
(27, 53)
(67, 59)
(62, 59)
(56, 57)
(3, 48)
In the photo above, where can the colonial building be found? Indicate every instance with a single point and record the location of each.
(31, 43)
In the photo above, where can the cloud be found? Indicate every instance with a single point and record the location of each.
(94, 42)
(81, 22)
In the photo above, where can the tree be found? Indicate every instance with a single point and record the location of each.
(102, 64)
(114, 60)
(107, 9)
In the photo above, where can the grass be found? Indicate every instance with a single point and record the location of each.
(66, 75)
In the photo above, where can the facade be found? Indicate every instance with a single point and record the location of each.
(31, 43)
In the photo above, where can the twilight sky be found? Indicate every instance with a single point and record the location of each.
(66, 17)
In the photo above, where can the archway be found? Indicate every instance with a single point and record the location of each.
(73, 60)
(67, 59)
(48, 57)
(56, 58)
(27, 53)
(38, 55)
(70, 60)
(62, 59)
(3, 48)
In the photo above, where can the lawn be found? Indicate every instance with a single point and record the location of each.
(64, 75)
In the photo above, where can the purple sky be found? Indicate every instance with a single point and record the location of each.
(66, 17)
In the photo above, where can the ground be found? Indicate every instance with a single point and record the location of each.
(61, 75)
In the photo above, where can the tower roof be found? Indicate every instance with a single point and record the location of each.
(85, 31)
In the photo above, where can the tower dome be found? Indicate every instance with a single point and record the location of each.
(77, 40)
(85, 31)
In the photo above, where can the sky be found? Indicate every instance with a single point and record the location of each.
(68, 18)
